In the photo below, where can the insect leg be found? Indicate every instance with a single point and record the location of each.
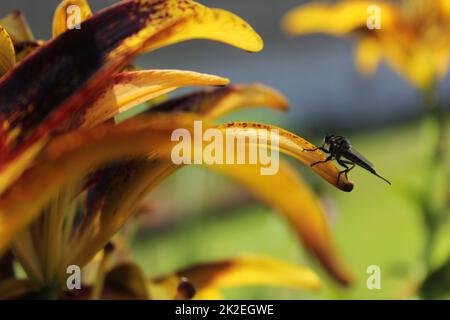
(318, 148)
(329, 158)
(351, 168)
(344, 163)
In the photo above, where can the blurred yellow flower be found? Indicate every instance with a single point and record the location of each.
(413, 38)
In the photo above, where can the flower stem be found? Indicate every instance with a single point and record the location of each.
(435, 135)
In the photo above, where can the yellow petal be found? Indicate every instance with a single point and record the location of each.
(441, 59)
(70, 157)
(68, 14)
(294, 146)
(138, 177)
(7, 53)
(295, 201)
(17, 27)
(130, 183)
(368, 56)
(336, 19)
(213, 24)
(133, 88)
(209, 279)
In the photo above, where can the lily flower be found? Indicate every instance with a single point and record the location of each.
(413, 37)
(71, 175)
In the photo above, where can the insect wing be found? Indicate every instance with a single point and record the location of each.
(360, 156)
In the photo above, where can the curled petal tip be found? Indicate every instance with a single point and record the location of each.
(346, 186)
(278, 100)
(258, 93)
(259, 46)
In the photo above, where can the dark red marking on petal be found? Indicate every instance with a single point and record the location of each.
(193, 102)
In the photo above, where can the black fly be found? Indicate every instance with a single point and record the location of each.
(340, 149)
